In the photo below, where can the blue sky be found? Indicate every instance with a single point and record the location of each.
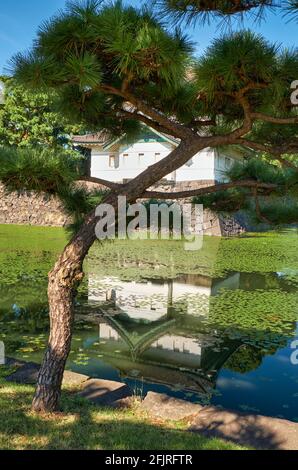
(20, 20)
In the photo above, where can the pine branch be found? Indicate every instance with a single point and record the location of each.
(173, 128)
(100, 181)
(274, 120)
(210, 189)
(276, 152)
(144, 119)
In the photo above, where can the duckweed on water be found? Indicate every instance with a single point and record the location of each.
(262, 252)
(241, 307)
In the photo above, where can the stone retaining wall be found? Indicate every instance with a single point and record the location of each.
(30, 208)
(213, 224)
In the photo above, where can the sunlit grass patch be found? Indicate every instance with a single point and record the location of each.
(83, 425)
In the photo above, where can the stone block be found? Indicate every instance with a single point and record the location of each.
(105, 392)
(163, 406)
(26, 374)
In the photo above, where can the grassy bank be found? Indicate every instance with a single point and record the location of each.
(85, 426)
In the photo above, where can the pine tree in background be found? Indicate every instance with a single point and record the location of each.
(115, 68)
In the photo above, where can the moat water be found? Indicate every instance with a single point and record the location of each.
(214, 326)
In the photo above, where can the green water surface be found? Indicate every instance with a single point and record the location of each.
(212, 326)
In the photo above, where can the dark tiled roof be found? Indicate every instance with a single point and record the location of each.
(104, 137)
(97, 138)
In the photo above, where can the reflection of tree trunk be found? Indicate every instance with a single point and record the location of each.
(170, 298)
(67, 274)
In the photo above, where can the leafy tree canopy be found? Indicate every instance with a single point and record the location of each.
(28, 118)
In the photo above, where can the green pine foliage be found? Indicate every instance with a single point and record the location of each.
(232, 62)
(204, 11)
(35, 169)
(259, 170)
(91, 46)
(228, 201)
(52, 172)
(240, 59)
(281, 211)
(83, 48)
(78, 202)
(275, 207)
(291, 7)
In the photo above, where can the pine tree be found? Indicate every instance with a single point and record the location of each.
(115, 67)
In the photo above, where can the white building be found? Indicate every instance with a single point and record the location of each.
(119, 160)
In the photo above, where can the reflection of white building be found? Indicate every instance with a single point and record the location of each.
(167, 348)
(164, 353)
(106, 332)
(150, 300)
(178, 344)
(144, 337)
(167, 342)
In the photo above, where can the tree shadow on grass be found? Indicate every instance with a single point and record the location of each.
(83, 425)
(86, 426)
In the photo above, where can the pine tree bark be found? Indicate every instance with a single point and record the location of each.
(50, 377)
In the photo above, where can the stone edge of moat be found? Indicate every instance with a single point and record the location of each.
(250, 430)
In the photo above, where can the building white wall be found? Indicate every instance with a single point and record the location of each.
(200, 167)
(223, 161)
(132, 160)
(208, 165)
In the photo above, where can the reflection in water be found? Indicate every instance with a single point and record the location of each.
(205, 335)
(152, 300)
(164, 355)
(159, 329)
(161, 332)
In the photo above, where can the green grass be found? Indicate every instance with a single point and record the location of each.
(82, 425)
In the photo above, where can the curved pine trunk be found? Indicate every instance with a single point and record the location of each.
(51, 373)
(67, 275)
(64, 280)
